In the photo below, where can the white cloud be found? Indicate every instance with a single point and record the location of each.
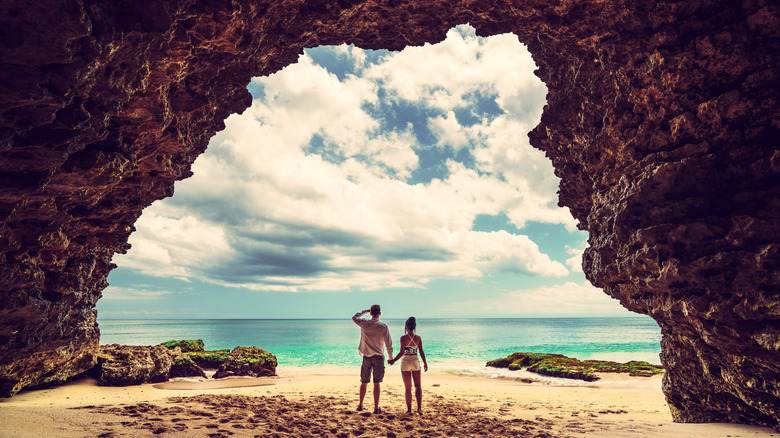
(355, 55)
(133, 293)
(443, 74)
(177, 244)
(395, 151)
(449, 131)
(304, 99)
(304, 191)
(448, 76)
(567, 299)
(575, 262)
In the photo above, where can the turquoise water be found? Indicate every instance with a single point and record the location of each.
(306, 342)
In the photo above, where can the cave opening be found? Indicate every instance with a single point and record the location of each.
(370, 175)
(655, 113)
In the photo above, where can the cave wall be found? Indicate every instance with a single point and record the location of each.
(662, 122)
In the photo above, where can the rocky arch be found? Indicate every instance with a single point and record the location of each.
(661, 121)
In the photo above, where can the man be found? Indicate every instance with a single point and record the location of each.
(374, 335)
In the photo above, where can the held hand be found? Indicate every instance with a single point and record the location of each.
(390, 361)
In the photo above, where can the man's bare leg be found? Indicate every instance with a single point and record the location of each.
(363, 388)
(376, 396)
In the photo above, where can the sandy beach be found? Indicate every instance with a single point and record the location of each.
(321, 401)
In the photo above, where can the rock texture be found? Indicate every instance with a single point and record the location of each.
(121, 365)
(209, 359)
(184, 352)
(247, 361)
(558, 365)
(662, 121)
(186, 367)
(185, 345)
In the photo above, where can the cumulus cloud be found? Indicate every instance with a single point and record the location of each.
(370, 178)
(445, 74)
(449, 131)
(575, 261)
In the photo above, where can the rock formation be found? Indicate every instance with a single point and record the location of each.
(121, 365)
(247, 361)
(184, 366)
(185, 345)
(558, 365)
(662, 122)
(209, 359)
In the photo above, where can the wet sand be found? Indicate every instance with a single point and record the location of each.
(322, 401)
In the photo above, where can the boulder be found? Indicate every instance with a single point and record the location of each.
(247, 361)
(558, 365)
(210, 360)
(120, 365)
(186, 345)
(186, 367)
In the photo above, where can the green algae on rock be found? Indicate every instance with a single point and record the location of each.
(122, 365)
(186, 367)
(186, 345)
(247, 361)
(209, 359)
(558, 365)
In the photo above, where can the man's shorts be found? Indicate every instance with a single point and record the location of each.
(375, 363)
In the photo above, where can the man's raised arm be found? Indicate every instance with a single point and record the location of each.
(357, 317)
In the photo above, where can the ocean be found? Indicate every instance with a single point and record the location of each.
(454, 344)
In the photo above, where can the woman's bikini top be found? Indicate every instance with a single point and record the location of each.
(411, 349)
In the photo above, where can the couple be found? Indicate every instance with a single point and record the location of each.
(374, 335)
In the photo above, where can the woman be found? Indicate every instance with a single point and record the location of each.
(411, 344)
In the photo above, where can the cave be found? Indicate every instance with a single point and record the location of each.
(661, 122)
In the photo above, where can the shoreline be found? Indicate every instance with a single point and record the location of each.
(324, 398)
(476, 340)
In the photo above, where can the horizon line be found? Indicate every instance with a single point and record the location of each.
(399, 318)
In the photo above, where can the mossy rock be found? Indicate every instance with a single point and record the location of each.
(514, 366)
(558, 365)
(121, 365)
(186, 345)
(563, 369)
(184, 360)
(247, 361)
(186, 367)
(516, 361)
(506, 361)
(209, 359)
(633, 368)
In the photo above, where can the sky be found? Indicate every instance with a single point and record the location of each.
(360, 177)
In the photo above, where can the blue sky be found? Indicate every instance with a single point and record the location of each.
(360, 177)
